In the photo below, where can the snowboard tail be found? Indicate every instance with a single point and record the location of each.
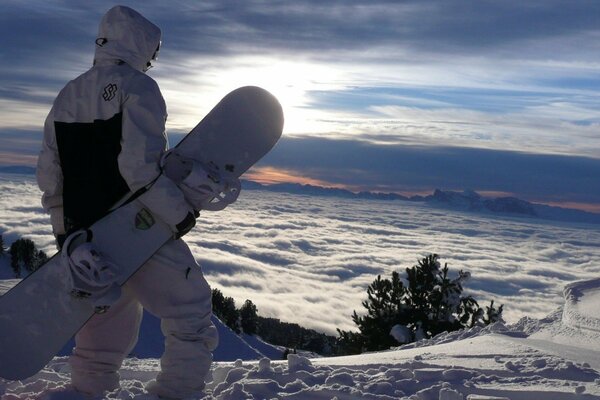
(39, 315)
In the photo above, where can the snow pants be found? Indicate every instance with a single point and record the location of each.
(172, 287)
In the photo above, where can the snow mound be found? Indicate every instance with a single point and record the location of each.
(449, 337)
(234, 347)
(579, 322)
(581, 305)
(576, 323)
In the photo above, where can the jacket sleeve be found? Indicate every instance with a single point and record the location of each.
(143, 143)
(49, 176)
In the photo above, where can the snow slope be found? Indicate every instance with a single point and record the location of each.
(556, 358)
(6, 271)
(151, 341)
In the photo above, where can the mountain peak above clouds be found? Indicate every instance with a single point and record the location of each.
(467, 200)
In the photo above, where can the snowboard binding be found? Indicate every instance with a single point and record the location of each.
(202, 184)
(90, 274)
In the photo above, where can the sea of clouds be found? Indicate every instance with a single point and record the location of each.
(308, 259)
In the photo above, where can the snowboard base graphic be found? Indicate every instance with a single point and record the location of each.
(39, 315)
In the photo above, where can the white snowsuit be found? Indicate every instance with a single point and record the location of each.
(104, 137)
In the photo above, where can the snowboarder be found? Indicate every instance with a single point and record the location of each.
(103, 138)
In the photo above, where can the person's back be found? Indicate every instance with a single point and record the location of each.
(103, 138)
(107, 127)
(87, 123)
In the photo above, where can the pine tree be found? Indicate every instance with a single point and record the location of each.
(249, 318)
(293, 336)
(14, 259)
(350, 342)
(24, 255)
(493, 314)
(2, 248)
(385, 309)
(469, 313)
(435, 298)
(430, 303)
(27, 253)
(40, 259)
(224, 309)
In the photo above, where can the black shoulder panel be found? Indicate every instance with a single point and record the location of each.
(92, 182)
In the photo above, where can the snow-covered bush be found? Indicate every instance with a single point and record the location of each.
(423, 305)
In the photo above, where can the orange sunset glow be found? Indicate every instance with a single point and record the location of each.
(270, 176)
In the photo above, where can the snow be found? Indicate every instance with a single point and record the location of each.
(580, 310)
(401, 333)
(6, 272)
(554, 358)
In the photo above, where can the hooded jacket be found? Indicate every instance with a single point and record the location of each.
(105, 133)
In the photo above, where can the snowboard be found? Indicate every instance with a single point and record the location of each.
(39, 315)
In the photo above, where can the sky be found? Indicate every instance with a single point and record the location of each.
(396, 96)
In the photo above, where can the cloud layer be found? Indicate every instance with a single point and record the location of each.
(309, 259)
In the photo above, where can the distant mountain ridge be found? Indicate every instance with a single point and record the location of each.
(467, 200)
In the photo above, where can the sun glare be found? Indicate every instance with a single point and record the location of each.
(290, 81)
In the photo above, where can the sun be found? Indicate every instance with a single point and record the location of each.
(292, 82)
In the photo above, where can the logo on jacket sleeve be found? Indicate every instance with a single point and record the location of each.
(110, 91)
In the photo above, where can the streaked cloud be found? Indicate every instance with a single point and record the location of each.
(416, 169)
(270, 175)
(508, 76)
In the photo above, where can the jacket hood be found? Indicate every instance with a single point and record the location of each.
(124, 34)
